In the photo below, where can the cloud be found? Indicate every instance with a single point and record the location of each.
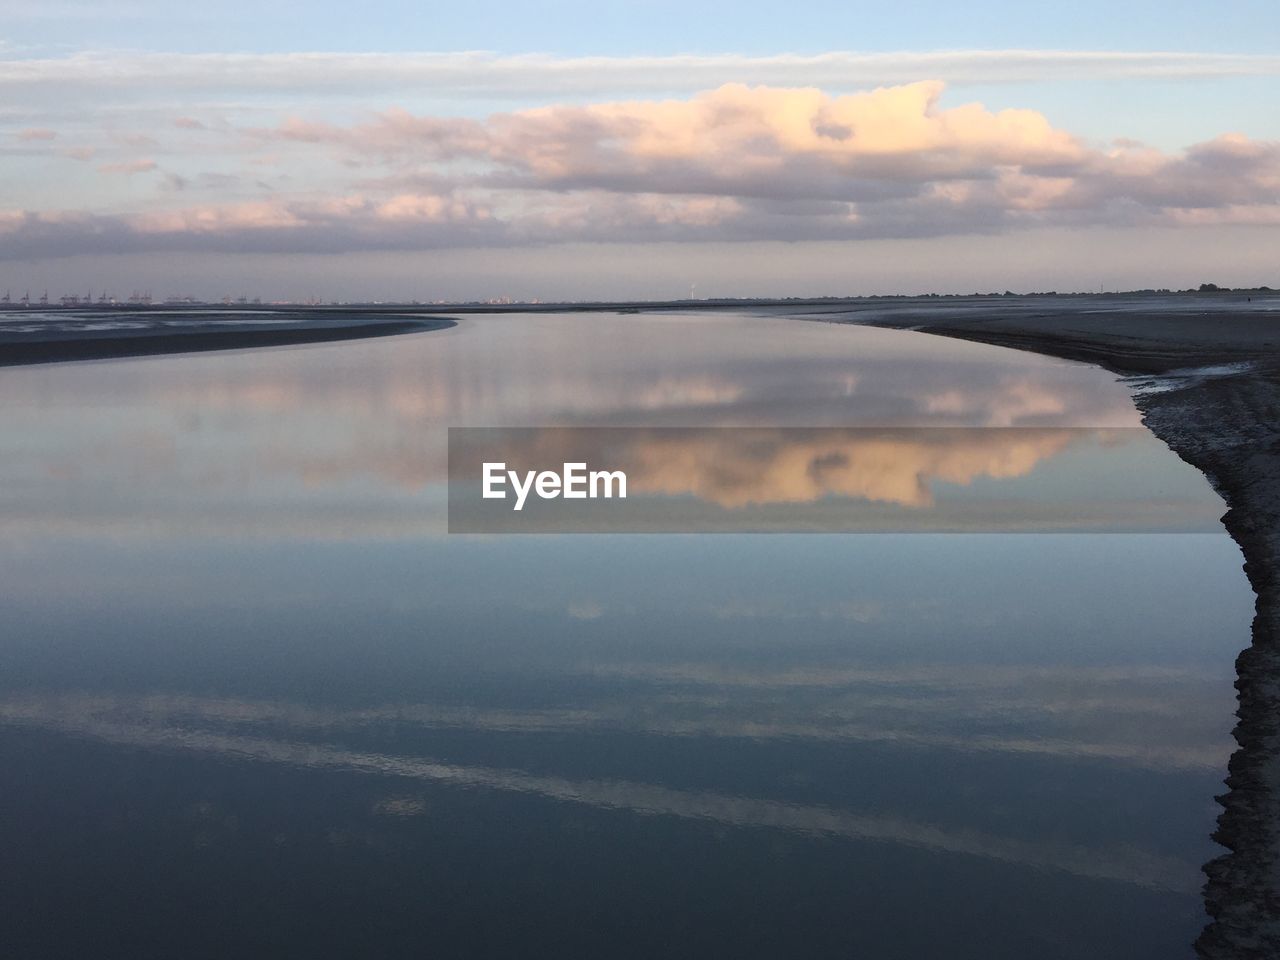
(137, 140)
(734, 163)
(117, 722)
(319, 226)
(128, 167)
(490, 75)
(37, 133)
(735, 139)
(737, 468)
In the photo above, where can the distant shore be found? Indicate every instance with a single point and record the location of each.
(1212, 393)
(83, 336)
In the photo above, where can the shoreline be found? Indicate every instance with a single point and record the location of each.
(67, 342)
(1227, 425)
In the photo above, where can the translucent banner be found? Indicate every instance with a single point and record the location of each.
(837, 480)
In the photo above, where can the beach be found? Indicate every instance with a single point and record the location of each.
(1205, 373)
(37, 336)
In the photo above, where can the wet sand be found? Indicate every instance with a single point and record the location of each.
(1206, 378)
(101, 336)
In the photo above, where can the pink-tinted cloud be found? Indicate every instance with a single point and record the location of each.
(729, 140)
(37, 133)
(899, 161)
(734, 163)
(128, 167)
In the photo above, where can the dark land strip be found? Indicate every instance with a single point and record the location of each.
(1226, 423)
(68, 341)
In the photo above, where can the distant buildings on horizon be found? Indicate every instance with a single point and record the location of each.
(145, 299)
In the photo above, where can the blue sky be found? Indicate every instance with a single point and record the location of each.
(367, 134)
(571, 27)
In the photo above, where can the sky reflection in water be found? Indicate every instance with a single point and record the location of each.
(249, 682)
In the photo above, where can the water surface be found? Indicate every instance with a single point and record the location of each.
(254, 701)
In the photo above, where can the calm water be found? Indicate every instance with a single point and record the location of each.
(254, 701)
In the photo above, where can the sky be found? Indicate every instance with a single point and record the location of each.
(573, 150)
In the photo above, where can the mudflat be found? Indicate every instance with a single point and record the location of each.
(41, 338)
(1205, 373)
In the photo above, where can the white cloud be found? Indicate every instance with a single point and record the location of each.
(129, 167)
(733, 163)
(483, 74)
